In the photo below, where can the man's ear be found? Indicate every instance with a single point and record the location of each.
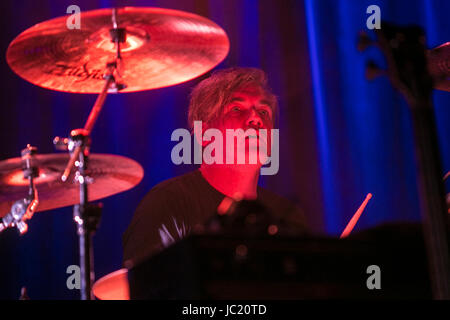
(199, 130)
(205, 127)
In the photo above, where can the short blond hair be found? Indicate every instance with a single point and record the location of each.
(209, 97)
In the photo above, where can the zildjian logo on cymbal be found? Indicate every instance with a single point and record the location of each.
(75, 71)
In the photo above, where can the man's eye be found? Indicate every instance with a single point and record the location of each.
(263, 113)
(235, 109)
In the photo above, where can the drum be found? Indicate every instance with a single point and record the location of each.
(113, 286)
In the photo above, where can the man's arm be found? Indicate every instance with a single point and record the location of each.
(291, 217)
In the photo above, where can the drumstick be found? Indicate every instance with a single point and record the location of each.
(355, 217)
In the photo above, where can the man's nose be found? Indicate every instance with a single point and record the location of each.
(254, 120)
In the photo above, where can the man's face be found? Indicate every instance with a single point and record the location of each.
(249, 108)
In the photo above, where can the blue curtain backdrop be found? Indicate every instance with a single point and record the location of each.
(341, 136)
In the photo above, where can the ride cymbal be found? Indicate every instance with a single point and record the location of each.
(163, 47)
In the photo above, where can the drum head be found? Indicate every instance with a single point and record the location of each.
(113, 286)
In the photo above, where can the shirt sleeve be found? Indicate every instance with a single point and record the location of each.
(158, 222)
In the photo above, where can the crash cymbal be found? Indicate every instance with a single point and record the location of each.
(110, 174)
(439, 66)
(163, 47)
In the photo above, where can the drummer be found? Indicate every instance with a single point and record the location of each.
(235, 98)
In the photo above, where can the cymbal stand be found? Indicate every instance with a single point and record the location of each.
(86, 216)
(24, 209)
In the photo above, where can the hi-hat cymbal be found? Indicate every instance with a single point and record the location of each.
(439, 66)
(163, 47)
(110, 174)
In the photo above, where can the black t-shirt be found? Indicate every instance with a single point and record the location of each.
(171, 209)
